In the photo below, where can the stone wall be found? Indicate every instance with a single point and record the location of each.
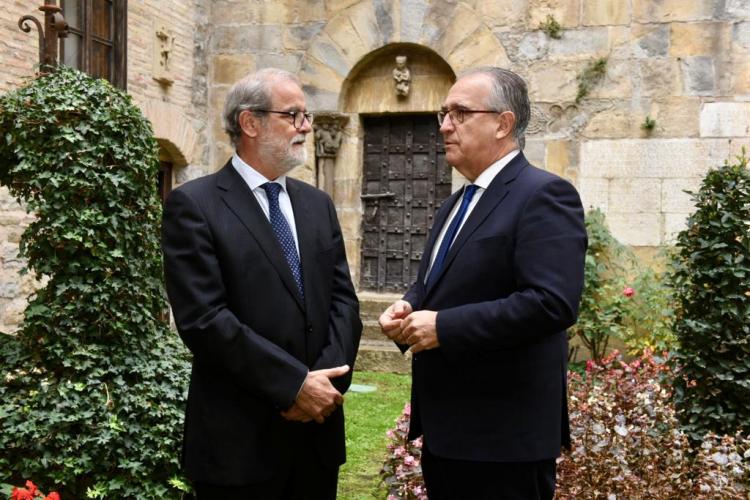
(683, 63)
(177, 111)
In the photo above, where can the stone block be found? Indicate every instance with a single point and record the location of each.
(386, 29)
(241, 38)
(660, 158)
(326, 51)
(319, 76)
(298, 36)
(463, 27)
(637, 229)
(227, 69)
(582, 43)
(738, 8)
(617, 82)
(673, 224)
(501, 12)
(725, 119)
(635, 195)
(412, 14)
(289, 61)
(673, 196)
(535, 151)
(740, 82)
(533, 46)
(594, 193)
(565, 12)
(250, 11)
(614, 121)
(7, 202)
(480, 49)
(350, 220)
(658, 77)
(557, 157)
(605, 12)
(741, 34)
(675, 116)
(650, 40)
(699, 39)
(346, 38)
(664, 11)
(552, 82)
(698, 75)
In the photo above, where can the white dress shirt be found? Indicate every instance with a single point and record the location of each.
(482, 182)
(254, 180)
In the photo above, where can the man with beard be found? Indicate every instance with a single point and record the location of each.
(261, 294)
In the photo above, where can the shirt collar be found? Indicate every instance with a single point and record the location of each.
(486, 177)
(252, 177)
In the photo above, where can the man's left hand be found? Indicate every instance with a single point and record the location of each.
(419, 330)
(296, 414)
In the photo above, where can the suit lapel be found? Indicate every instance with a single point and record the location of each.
(493, 195)
(241, 201)
(437, 226)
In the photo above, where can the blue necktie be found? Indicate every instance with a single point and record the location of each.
(283, 232)
(450, 234)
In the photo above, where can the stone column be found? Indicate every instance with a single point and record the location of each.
(329, 128)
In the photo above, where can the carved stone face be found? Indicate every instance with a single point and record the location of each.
(400, 62)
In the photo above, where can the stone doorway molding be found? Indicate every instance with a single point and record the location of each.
(173, 132)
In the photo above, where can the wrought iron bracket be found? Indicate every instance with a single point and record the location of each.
(55, 27)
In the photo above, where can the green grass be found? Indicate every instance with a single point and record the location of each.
(368, 417)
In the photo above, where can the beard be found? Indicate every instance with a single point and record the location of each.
(282, 155)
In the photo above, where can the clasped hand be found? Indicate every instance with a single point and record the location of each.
(417, 329)
(318, 398)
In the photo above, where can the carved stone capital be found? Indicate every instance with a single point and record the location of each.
(329, 129)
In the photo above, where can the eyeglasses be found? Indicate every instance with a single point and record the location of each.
(458, 115)
(298, 117)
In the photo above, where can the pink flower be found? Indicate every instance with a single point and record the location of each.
(53, 496)
(590, 364)
(407, 409)
(628, 291)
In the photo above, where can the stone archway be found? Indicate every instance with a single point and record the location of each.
(345, 74)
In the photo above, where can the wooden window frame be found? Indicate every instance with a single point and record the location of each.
(118, 43)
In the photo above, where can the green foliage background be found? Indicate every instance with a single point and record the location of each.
(91, 402)
(641, 321)
(711, 280)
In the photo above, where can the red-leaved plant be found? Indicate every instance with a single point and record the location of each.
(627, 443)
(31, 492)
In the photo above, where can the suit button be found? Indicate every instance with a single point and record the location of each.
(309, 328)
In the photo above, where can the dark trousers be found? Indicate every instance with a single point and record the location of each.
(449, 479)
(304, 479)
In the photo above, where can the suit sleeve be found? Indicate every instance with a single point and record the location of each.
(344, 326)
(209, 329)
(548, 268)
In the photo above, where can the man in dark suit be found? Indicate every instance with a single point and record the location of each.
(260, 289)
(499, 282)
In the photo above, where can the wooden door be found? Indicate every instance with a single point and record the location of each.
(405, 180)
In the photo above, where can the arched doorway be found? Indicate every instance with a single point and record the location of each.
(403, 177)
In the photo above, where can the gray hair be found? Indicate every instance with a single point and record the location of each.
(252, 93)
(508, 93)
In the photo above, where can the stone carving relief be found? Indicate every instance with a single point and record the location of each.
(401, 77)
(329, 130)
(561, 119)
(163, 55)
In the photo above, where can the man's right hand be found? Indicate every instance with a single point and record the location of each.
(318, 398)
(392, 319)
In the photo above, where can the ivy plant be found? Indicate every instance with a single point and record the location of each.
(710, 275)
(92, 397)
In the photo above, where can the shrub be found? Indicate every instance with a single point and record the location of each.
(92, 396)
(711, 280)
(627, 443)
(622, 298)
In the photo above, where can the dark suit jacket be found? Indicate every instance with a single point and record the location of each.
(253, 339)
(495, 389)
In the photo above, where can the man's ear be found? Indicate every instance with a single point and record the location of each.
(249, 123)
(505, 124)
